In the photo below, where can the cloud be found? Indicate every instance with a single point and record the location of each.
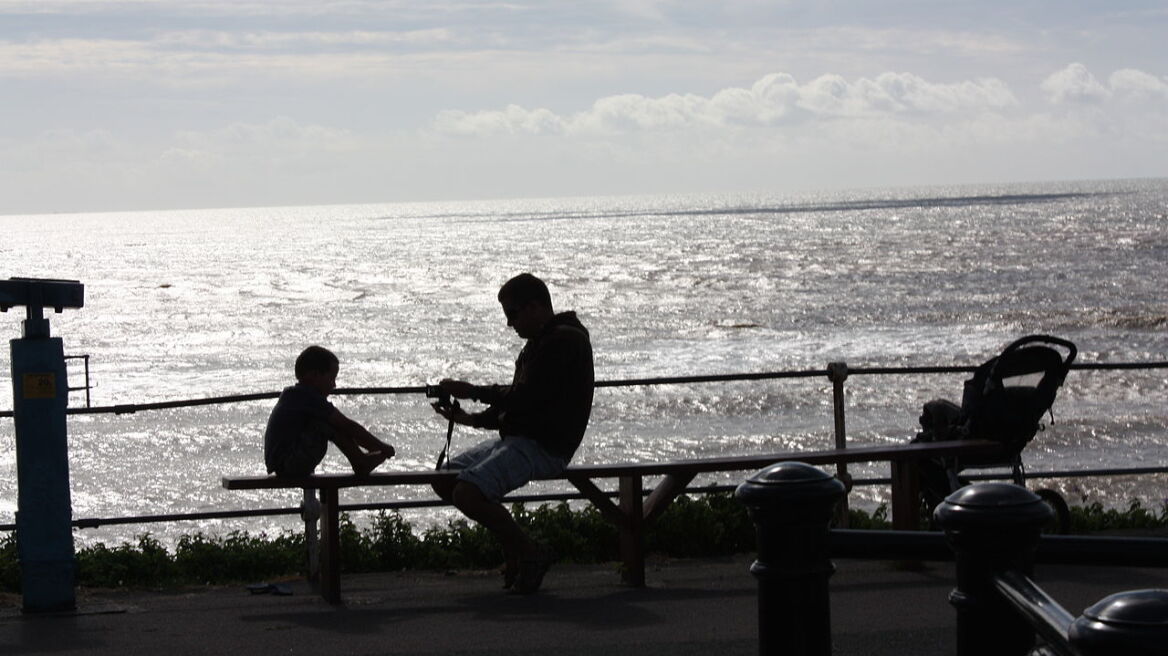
(774, 99)
(1137, 85)
(1074, 84)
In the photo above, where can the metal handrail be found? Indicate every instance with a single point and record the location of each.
(1048, 618)
(121, 409)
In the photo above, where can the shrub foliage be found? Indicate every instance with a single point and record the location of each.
(708, 525)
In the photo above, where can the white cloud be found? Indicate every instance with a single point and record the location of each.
(1132, 84)
(1074, 84)
(772, 100)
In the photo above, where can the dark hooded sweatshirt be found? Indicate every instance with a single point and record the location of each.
(550, 398)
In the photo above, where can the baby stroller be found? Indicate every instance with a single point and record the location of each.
(1004, 401)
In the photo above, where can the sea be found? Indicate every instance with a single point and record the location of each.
(187, 305)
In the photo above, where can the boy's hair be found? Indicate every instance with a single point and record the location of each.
(315, 359)
(525, 288)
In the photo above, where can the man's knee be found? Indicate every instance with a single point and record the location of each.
(465, 495)
(445, 489)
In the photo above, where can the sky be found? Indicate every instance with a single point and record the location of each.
(173, 104)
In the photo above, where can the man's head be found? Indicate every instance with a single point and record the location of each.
(317, 367)
(527, 304)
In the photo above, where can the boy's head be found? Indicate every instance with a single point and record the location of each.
(317, 367)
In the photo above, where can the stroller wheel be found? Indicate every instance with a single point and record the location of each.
(1060, 524)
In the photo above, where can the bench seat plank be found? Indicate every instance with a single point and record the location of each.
(913, 451)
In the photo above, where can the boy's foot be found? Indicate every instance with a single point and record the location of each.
(368, 462)
(531, 573)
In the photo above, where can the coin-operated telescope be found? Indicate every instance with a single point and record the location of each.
(40, 394)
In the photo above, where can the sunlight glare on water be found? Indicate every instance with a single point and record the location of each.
(195, 304)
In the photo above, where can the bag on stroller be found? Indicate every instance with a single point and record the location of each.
(1004, 401)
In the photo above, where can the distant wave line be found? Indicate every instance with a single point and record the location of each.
(836, 206)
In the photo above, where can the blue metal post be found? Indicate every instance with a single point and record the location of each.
(40, 392)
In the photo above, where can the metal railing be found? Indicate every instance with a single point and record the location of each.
(836, 372)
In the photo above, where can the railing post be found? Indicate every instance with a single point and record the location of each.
(1133, 623)
(791, 506)
(838, 373)
(991, 527)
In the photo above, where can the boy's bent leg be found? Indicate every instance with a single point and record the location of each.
(362, 462)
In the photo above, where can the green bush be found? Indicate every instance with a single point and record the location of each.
(692, 526)
(238, 556)
(145, 564)
(1093, 517)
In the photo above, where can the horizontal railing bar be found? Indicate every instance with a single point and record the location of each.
(97, 522)
(1061, 549)
(1039, 475)
(396, 505)
(121, 409)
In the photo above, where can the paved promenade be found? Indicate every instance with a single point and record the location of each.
(688, 607)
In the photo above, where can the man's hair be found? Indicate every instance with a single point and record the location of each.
(315, 359)
(525, 288)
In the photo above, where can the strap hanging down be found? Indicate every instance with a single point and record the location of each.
(449, 434)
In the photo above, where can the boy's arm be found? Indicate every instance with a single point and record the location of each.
(359, 434)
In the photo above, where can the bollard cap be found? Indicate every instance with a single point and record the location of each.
(1003, 505)
(1133, 623)
(1143, 607)
(992, 495)
(789, 481)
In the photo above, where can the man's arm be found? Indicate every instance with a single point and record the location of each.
(460, 389)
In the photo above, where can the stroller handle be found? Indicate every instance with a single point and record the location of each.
(1072, 350)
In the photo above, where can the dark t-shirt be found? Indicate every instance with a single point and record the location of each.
(298, 407)
(550, 398)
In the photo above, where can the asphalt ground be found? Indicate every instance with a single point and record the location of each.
(706, 606)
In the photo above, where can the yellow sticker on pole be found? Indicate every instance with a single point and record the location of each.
(40, 386)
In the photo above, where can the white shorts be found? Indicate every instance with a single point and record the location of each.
(497, 467)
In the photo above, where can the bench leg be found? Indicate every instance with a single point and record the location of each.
(310, 513)
(330, 546)
(632, 531)
(906, 495)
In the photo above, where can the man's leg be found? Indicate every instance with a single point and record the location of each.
(470, 500)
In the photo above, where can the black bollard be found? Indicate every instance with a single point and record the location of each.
(991, 527)
(1133, 623)
(791, 505)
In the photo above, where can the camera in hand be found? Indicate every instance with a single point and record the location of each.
(436, 392)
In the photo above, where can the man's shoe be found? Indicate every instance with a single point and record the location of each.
(510, 575)
(531, 572)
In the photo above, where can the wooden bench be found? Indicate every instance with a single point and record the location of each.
(633, 508)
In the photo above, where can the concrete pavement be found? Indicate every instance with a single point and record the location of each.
(705, 606)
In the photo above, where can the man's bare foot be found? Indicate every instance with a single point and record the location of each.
(368, 462)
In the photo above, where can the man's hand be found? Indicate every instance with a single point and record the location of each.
(457, 415)
(459, 389)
